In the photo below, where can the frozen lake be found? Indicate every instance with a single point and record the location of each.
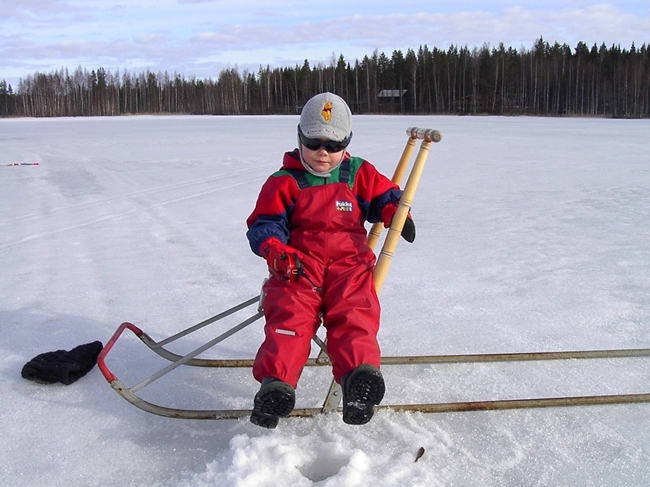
(533, 235)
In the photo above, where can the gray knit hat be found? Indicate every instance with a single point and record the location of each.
(326, 116)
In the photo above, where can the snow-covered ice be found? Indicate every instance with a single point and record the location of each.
(533, 235)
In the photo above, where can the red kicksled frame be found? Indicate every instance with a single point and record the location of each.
(333, 398)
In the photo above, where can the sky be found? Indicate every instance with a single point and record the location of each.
(202, 37)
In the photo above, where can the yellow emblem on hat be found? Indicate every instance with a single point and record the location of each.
(327, 111)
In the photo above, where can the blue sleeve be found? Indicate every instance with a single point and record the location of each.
(372, 210)
(265, 227)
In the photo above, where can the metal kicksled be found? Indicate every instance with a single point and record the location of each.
(333, 398)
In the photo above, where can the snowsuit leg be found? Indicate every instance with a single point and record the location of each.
(351, 313)
(292, 317)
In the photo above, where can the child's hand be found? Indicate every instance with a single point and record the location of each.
(408, 231)
(275, 253)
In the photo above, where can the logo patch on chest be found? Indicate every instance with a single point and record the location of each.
(343, 206)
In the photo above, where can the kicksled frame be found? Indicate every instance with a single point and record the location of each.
(333, 398)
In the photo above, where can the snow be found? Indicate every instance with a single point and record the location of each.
(533, 235)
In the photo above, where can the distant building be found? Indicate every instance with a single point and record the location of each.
(391, 94)
(393, 100)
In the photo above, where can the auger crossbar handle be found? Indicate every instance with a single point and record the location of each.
(429, 135)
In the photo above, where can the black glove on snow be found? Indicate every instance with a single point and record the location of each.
(62, 366)
(408, 232)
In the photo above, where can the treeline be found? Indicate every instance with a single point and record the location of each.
(545, 80)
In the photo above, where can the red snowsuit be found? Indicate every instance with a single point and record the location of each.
(324, 219)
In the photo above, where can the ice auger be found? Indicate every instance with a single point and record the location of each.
(333, 398)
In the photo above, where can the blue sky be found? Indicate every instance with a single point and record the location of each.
(202, 37)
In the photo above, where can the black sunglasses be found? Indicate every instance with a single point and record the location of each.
(328, 145)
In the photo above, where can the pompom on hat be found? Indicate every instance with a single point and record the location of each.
(326, 116)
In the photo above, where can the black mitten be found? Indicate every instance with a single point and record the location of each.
(62, 366)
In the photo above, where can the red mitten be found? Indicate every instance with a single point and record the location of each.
(275, 253)
(408, 231)
(388, 213)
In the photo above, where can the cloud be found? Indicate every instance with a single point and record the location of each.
(514, 26)
(604, 23)
(34, 8)
(191, 42)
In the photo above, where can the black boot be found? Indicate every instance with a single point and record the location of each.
(274, 399)
(363, 388)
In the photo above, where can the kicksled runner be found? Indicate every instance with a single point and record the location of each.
(334, 395)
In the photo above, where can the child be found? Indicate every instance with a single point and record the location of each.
(314, 210)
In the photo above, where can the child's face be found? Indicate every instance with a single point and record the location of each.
(320, 160)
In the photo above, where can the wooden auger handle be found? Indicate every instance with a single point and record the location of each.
(383, 262)
(414, 134)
